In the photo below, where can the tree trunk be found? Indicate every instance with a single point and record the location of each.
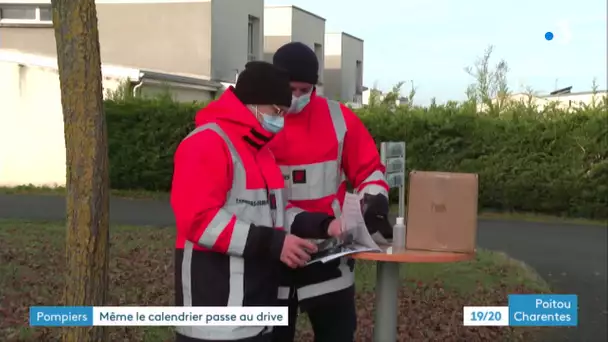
(87, 250)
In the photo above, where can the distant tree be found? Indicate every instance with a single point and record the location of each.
(375, 96)
(87, 250)
(531, 95)
(594, 96)
(490, 86)
(124, 91)
(412, 94)
(392, 97)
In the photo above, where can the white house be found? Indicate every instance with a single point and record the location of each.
(193, 47)
(31, 116)
(284, 24)
(344, 67)
(562, 98)
(210, 39)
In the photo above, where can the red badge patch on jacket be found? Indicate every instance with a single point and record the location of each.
(299, 176)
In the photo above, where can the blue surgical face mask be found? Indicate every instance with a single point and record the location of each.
(272, 123)
(298, 103)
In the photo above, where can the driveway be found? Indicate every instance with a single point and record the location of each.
(571, 257)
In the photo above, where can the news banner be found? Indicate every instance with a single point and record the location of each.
(526, 310)
(522, 310)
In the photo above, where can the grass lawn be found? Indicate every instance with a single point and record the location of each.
(141, 262)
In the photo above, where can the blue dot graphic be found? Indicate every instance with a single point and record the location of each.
(549, 35)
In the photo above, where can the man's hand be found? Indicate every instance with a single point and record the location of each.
(335, 228)
(376, 214)
(296, 251)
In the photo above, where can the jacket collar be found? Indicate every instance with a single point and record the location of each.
(257, 138)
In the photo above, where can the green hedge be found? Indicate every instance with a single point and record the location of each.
(553, 162)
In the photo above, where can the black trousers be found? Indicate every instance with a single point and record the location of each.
(259, 338)
(333, 318)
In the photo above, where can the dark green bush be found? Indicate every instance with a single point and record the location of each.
(142, 138)
(554, 162)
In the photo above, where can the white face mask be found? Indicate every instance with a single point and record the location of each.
(271, 123)
(299, 102)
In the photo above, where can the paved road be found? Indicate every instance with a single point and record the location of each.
(572, 258)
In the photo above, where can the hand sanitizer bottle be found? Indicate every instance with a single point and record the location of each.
(399, 236)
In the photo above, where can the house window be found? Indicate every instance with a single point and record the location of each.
(359, 77)
(46, 14)
(25, 14)
(319, 51)
(253, 27)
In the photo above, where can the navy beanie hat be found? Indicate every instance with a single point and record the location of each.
(262, 83)
(300, 62)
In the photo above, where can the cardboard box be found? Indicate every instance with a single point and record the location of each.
(442, 211)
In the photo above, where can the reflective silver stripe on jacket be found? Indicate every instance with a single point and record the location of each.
(343, 282)
(249, 206)
(322, 180)
(374, 189)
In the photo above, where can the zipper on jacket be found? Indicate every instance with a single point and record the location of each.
(267, 191)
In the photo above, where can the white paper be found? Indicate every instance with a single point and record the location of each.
(353, 224)
(348, 250)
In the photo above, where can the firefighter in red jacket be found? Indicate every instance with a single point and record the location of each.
(323, 146)
(227, 197)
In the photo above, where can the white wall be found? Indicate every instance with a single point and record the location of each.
(284, 24)
(365, 98)
(576, 100)
(178, 92)
(278, 21)
(352, 51)
(333, 44)
(333, 66)
(342, 51)
(229, 36)
(320, 90)
(310, 30)
(278, 26)
(32, 145)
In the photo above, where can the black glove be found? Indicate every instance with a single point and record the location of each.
(375, 214)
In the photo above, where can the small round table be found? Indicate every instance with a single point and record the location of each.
(387, 283)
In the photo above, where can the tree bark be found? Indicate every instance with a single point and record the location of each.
(87, 249)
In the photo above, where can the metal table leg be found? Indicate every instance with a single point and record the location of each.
(387, 287)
